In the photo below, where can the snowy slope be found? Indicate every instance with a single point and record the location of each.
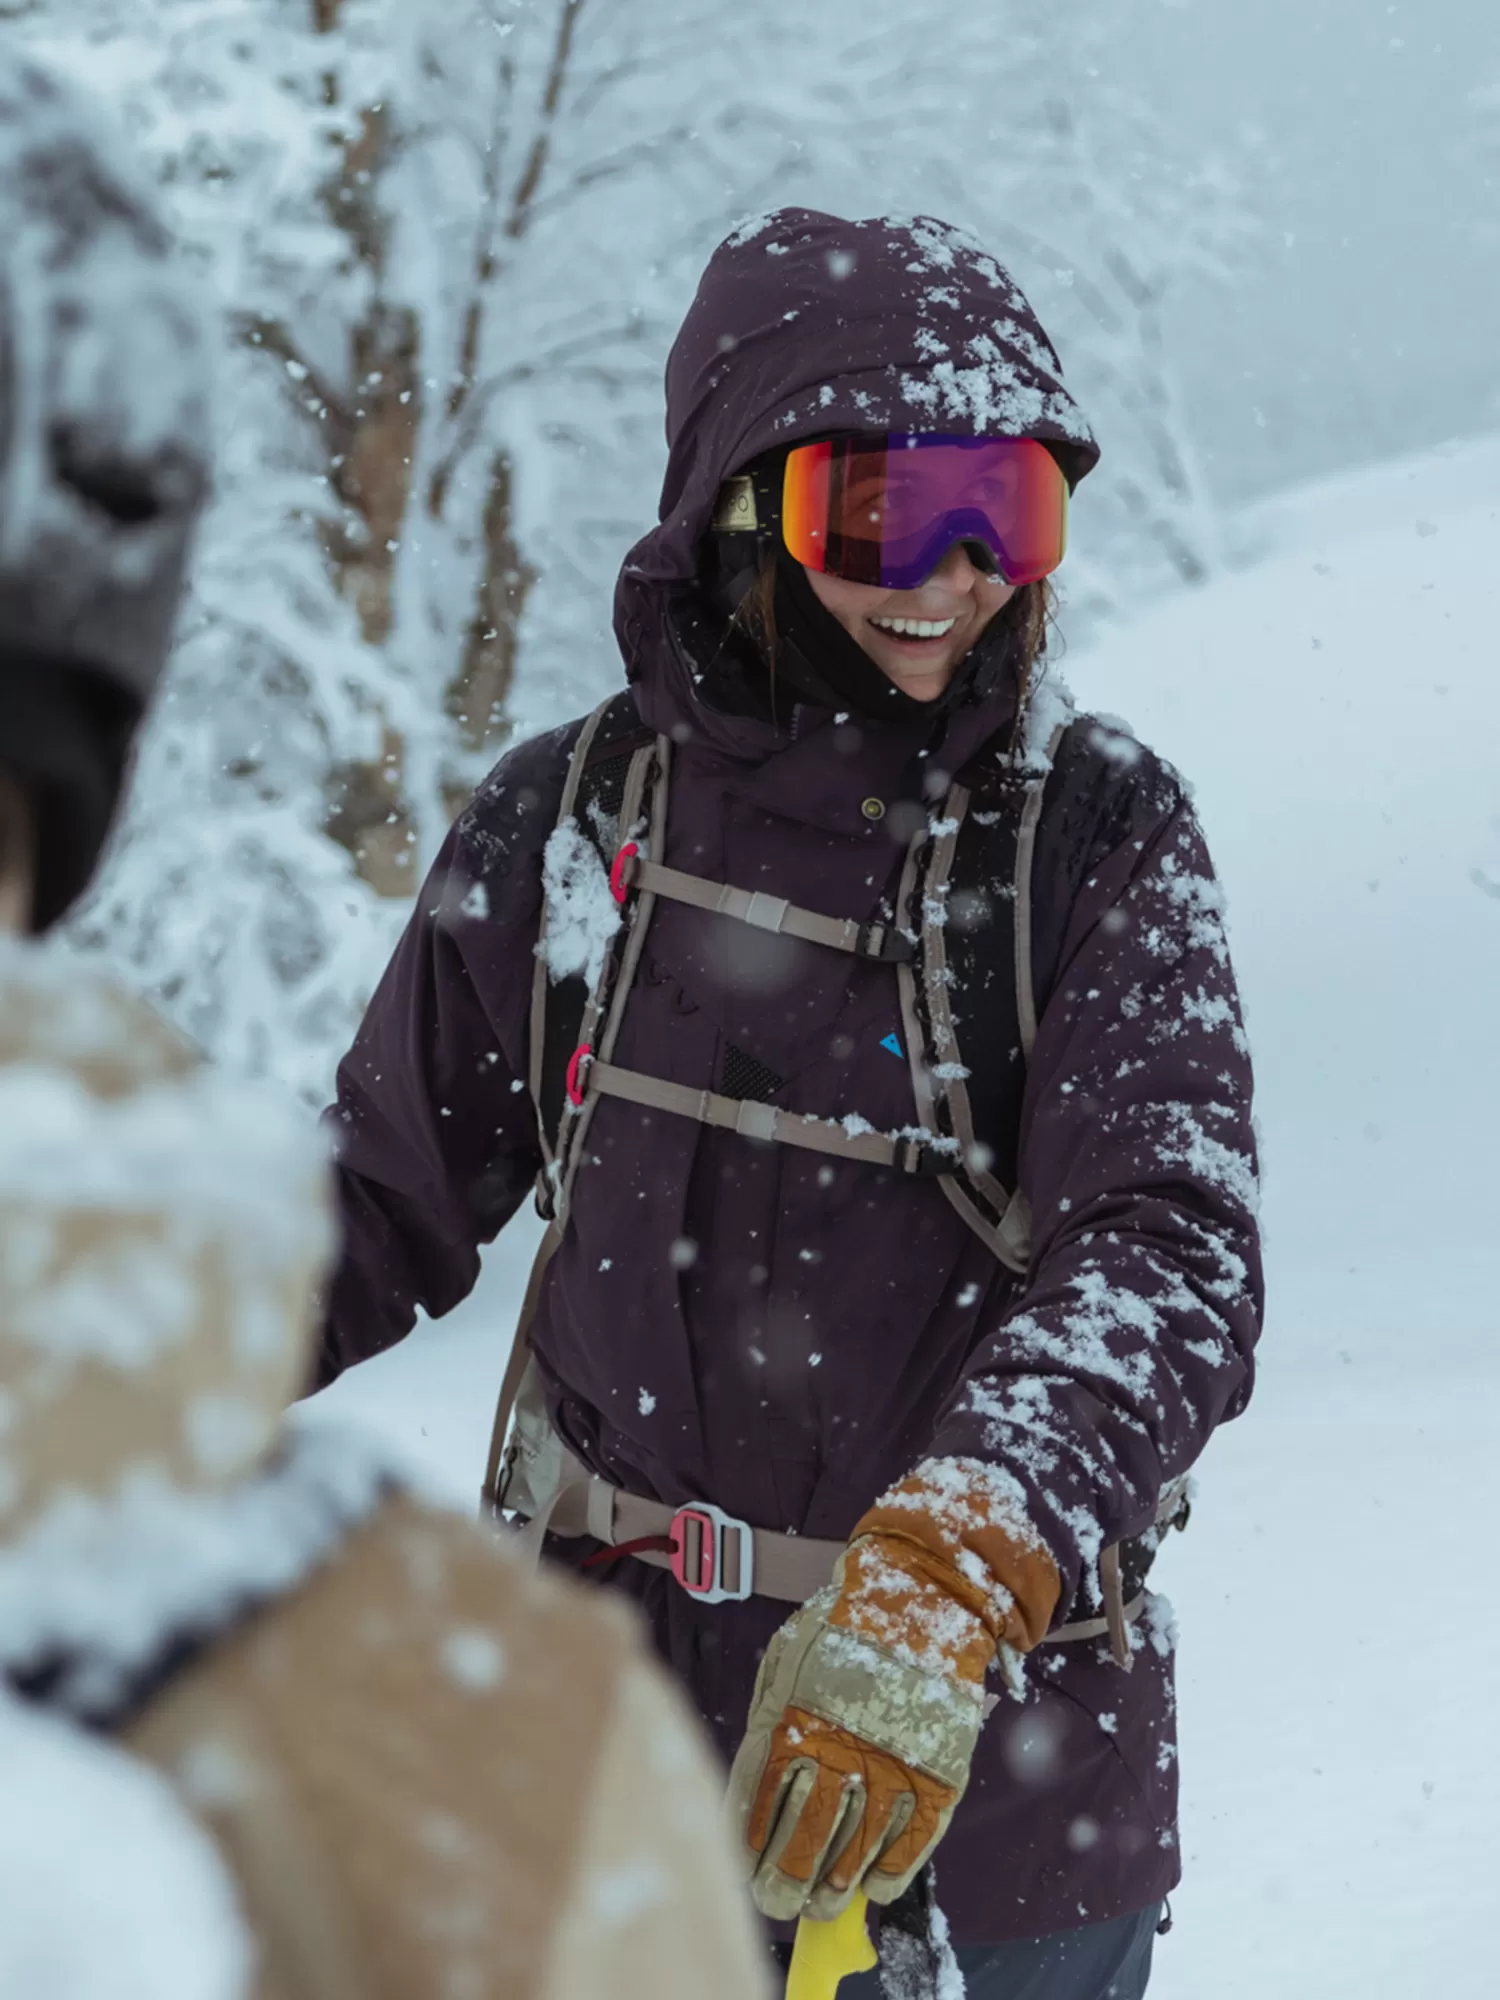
(1337, 706)
(1338, 709)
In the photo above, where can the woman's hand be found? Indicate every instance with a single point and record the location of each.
(869, 1700)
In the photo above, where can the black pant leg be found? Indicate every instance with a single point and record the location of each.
(1100, 1962)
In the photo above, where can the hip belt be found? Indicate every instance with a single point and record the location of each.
(718, 1559)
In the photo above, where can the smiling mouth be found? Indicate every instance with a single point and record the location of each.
(915, 631)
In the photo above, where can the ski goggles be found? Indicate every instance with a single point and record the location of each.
(885, 509)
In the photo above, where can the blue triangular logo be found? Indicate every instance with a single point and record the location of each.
(890, 1042)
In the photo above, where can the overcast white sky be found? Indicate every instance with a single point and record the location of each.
(1375, 325)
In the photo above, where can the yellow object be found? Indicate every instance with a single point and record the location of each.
(826, 1953)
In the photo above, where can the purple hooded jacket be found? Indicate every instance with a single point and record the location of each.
(783, 1334)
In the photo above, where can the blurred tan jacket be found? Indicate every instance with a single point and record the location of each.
(431, 1773)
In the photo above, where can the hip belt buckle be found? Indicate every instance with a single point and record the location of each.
(714, 1556)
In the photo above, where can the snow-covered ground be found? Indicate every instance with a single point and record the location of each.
(1337, 705)
(1338, 708)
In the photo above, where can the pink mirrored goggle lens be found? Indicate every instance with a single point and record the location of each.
(886, 509)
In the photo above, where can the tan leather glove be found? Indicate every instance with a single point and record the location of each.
(869, 1700)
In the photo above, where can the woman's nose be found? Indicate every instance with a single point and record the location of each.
(958, 569)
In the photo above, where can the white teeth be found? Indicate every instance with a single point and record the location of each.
(916, 628)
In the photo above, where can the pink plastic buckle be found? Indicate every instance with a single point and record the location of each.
(572, 1082)
(619, 880)
(713, 1546)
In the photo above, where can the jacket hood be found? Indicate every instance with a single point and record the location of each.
(806, 323)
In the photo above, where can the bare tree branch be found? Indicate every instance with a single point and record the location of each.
(1165, 533)
(477, 696)
(1053, 259)
(471, 421)
(613, 164)
(484, 251)
(536, 165)
(274, 338)
(594, 87)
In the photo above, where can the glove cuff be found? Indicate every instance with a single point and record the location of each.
(964, 1523)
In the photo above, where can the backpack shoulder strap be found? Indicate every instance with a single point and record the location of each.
(616, 784)
(984, 957)
(614, 770)
(966, 1001)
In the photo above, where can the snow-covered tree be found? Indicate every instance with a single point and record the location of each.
(451, 245)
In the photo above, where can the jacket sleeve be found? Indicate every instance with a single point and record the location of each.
(433, 1123)
(1133, 1336)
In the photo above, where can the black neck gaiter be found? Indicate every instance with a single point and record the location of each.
(822, 663)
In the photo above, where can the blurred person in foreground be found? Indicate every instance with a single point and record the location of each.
(427, 1772)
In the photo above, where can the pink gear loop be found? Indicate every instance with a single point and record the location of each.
(574, 1086)
(619, 880)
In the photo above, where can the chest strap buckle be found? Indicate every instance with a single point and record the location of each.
(714, 1557)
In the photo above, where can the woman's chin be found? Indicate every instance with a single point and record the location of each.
(923, 680)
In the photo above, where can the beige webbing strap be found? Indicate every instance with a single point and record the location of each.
(906, 987)
(766, 913)
(1114, 1626)
(1118, 1615)
(540, 974)
(790, 1567)
(945, 1051)
(1031, 819)
(571, 1130)
(787, 1567)
(1008, 1241)
(753, 1120)
(515, 1368)
(1111, 1588)
(609, 999)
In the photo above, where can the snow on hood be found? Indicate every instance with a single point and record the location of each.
(806, 323)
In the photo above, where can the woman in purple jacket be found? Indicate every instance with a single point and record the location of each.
(866, 1021)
